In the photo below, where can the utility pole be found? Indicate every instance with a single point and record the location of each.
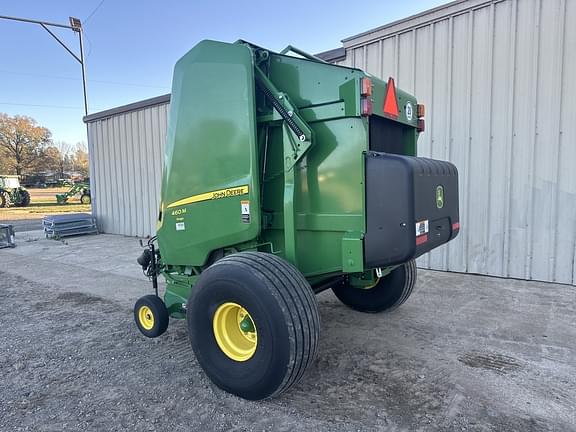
(75, 26)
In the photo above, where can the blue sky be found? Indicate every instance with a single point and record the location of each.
(132, 45)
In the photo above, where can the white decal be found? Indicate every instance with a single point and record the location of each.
(421, 227)
(409, 111)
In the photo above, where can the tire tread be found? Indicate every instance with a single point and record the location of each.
(299, 302)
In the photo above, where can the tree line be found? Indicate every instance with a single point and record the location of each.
(26, 148)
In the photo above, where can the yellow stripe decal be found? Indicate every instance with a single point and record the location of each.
(217, 194)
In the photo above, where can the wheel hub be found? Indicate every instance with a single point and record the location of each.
(235, 332)
(146, 317)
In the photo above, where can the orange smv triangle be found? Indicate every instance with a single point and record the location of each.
(390, 101)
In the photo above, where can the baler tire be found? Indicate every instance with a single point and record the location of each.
(390, 292)
(151, 316)
(284, 316)
(85, 199)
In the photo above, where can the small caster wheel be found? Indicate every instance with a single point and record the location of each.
(151, 316)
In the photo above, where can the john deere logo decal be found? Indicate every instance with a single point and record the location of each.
(409, 111)
(439, 196)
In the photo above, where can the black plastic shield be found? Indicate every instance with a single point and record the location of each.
(411, 207)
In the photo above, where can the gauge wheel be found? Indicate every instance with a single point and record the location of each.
(151, 316)
(85, 199)
(253, 323)
(388, 293)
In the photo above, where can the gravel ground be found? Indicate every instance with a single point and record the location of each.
(464, 353)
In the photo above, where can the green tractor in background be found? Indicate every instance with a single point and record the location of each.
(81, 189)
(12, 193)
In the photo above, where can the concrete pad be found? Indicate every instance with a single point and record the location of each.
(464, 352)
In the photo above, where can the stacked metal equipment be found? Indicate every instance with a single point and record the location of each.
(7, 236)
(58, 226)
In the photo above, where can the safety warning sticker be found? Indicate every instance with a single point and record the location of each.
(421, 227)
(245, 206)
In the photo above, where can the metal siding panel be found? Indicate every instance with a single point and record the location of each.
(546, 148)
(406, 62)
(438, 120)
(91, 160)
(388, 58)
(100, 175)
(123, 185)
(478, 169)
(103, 197)
(565, 238)
(565, 251)
(109, 158)
(459, 133)
(132, 192)
(91, 167)
(118, 178)
(133, 214)
(512, 98)
(358, 58)
(501, 105)
(523, 142)
(373, 59)
(151, 138)
(149, 180)
(423, 84)
(106, 155)
(140, 192)
(139, 142)
(424, 89)
(143, 124)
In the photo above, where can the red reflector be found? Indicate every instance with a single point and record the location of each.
(455, 226)
(421, 125)
(366, 106)
(421, 239)
(366, 87)
(390, 102)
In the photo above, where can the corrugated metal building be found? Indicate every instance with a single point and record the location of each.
(497, 80)
(126, 146)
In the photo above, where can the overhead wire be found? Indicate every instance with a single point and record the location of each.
(93, 12)
(78, 79)
(42, 105)
(90, 15)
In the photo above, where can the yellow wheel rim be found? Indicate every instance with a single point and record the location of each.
(146, 317)
(235, 331)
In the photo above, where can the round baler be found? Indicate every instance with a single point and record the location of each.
(285, 176)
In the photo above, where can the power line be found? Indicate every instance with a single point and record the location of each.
(78, 79)
(93, 12)
(42, 106)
